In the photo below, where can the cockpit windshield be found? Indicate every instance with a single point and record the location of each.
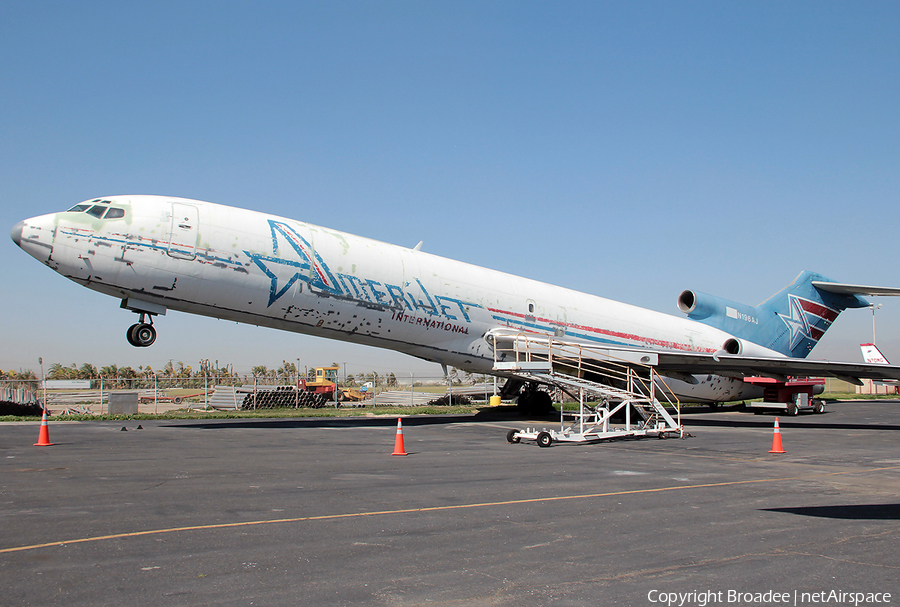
(98, 210)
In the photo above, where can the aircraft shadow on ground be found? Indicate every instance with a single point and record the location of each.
(871, 512)
(485, 415)
(511, 415)
(783, 422)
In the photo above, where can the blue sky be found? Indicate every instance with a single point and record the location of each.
(629, 150)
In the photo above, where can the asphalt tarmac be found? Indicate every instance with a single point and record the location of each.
(317, 512)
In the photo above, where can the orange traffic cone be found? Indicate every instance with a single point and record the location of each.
(44, 435)
(776, 440)
(398, 442)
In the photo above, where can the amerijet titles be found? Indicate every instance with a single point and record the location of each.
(440, 325)
(410, 302)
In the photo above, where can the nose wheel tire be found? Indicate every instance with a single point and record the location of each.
(141, 335)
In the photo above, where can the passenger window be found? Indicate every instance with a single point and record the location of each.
(78, 208)
(97, 211)
(114, 213)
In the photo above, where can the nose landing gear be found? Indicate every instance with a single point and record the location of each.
(141, 334)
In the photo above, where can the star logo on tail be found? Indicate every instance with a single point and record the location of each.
(796, 322)
(807, 320)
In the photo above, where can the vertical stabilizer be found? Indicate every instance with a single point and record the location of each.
(871, 354)
(800, 314)
(790, 322)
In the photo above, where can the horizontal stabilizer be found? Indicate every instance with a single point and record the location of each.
(847, 289)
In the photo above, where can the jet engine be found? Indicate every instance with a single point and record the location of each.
(699, 306)
(745, 323)
(740, 347)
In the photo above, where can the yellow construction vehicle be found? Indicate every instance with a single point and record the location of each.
(326, 383)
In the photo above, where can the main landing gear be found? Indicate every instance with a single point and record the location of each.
(533, 401)
(142, 334)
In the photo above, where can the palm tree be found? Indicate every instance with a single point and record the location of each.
(372, 377)
(22, 378)
(453, 376)
(287, 371)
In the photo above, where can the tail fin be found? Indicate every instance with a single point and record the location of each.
(790, 322)
(872, 354)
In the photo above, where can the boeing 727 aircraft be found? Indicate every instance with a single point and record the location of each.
(159, 253)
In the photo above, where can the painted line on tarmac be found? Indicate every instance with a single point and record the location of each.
(326, 517)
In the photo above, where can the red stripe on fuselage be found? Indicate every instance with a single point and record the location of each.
(627, 336)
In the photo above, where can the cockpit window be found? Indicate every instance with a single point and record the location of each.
(97, 211)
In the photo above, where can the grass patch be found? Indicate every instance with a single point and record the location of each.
(855, 396)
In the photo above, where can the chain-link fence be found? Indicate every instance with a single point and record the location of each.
(157, 394)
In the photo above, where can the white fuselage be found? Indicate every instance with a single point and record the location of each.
(251, 267)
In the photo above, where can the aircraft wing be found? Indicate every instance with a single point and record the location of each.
(687, 363)
(748, 366)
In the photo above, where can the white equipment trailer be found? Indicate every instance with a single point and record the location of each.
(628, 389)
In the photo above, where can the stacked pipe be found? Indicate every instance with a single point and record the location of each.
(283, 397)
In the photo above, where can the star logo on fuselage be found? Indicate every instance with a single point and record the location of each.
(307, 267)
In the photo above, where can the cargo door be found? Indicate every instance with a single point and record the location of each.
(184, 233)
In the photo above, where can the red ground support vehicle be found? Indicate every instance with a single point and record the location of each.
(793, 396)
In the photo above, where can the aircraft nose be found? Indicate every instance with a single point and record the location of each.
(16, 233)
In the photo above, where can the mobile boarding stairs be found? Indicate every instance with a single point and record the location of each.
(619, 381)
